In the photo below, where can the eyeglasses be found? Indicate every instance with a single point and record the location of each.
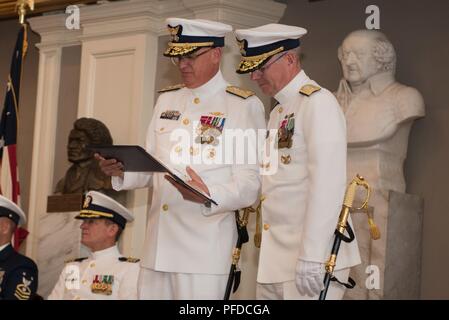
(269, 64)
(190, 59)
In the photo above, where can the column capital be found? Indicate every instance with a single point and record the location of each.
(106, 19)
(239, 14)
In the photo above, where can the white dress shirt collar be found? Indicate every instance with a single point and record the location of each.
(4, 246)
(109, 252)
(211, 87)
(292, 88)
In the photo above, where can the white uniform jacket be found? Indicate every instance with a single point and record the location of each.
(106, 275)
(183, 236)
(304, 197)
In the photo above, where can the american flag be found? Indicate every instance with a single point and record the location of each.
(9, 123)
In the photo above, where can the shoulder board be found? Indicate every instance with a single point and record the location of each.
(128, 259)
(308, 89)
(75, 260)
(242, 93)
(172, 88)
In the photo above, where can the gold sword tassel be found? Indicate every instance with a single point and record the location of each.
(258, 234)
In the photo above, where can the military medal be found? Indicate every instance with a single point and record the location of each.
(102, 284)
(170, 115)
(286, 130)
(209, 129)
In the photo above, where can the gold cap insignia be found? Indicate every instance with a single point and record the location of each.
(241, 44)
(174, 33)
(87, 202)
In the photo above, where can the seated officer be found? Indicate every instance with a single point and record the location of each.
(106, 274)
(18, 274)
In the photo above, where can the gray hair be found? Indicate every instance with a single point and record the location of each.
(297, 52)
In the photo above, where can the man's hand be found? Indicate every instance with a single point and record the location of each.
(195, 182)
(110, 167)
(309, 277)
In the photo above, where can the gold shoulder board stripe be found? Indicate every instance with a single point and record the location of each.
(22, 292)
(75, 260)
(242, 93)
(172, 88)
(128, 259)
(308, 89)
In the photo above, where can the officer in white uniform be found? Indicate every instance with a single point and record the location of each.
(188, 246)
(106, 274)
(302, 199)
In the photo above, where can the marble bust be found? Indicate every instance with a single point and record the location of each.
(379, 111)
(84, 174)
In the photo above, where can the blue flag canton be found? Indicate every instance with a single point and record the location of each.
(9, 117)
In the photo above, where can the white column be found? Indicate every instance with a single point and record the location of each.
(54, 37)
(44, 135)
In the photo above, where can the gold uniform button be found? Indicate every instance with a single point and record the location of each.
(186, 121)
(196, 100)
(265, 165)
(263, 197)
(84, 282)
(286, 159)
(280, 109)
(161, 129)
(266, 226)
(165, 207)
(194, 151)
(92, 265)
(178, 149)
(211, 153)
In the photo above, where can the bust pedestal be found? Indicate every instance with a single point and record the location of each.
(59, 238)
(397, 254)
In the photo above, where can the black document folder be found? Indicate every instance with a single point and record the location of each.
(137, 159)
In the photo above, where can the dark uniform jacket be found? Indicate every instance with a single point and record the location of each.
(18, 276)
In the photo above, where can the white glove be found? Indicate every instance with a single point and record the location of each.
(309, 277)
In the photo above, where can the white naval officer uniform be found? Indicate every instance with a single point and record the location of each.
(106, 274)
(108, 266)
(303, 199)
(183, 237)
(304, 183)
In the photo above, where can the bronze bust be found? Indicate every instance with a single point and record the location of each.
(84, 174)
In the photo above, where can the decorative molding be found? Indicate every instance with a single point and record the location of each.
(129, 17)
(240, 14)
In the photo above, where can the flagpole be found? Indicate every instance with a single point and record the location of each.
(9, 122)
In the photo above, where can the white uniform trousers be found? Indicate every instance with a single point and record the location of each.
(157, 285)
(287, 290)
